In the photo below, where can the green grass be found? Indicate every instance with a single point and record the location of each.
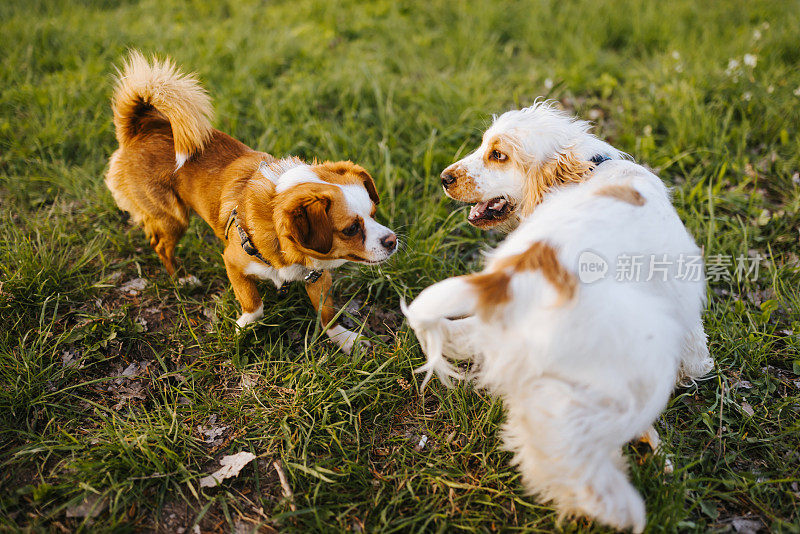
(404, 89)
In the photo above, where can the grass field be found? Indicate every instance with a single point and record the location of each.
(114, 404)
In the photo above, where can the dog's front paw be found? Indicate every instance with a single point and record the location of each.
(346, 339)
(248, 318)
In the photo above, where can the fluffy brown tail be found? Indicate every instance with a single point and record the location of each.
(143, 86)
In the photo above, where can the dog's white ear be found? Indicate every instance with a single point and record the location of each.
(267, 173)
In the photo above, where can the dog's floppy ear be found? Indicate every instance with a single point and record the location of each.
(565, 169)
(311, 225)
(369, 185)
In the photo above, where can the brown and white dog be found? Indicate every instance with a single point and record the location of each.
(280, 219)
(524, 155)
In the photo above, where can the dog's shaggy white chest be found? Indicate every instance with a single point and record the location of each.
(278, 277)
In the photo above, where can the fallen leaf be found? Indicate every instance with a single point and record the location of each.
(125, 394)
(131, 371)
(71, 358)
(746, 408)
(190, 281)
(212, 433)
(747, 526)
(231, 466)
(133, 287)
(249, 381)
(91, 506)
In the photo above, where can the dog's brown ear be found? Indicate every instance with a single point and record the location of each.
(311, 226)
(369, 185)
(566, 168)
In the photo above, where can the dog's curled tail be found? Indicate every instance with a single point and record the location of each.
(142, 86)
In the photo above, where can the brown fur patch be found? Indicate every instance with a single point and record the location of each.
(625, 193)
(492, 290)
(492, 287)
(503, 144)
(464, 188)
(311, 224)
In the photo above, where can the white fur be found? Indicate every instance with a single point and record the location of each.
(180, 159)
(326, 265)
(582, 378)
(345, 339)
(278, 277)
(248, 318)
(300, 174)
(358, 200)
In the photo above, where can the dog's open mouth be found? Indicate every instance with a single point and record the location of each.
(490, 212)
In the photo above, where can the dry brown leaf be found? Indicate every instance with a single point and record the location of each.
(231, 466)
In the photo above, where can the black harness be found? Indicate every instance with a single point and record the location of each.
(251, 250)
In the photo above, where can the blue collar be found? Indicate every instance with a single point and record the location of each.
(597, 159)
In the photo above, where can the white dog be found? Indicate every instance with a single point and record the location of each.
(584, 353)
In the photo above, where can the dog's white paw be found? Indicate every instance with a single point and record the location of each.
(620, 506)
(346, 339)
(190, 281)
(654, 441)
(248, 318)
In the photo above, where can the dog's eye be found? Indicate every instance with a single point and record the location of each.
(352, 230)
(498, 156)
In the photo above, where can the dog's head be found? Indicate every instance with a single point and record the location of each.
(523, 155)
(326, 212)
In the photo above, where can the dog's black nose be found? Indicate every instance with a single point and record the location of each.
(389, 242)
(448, 180)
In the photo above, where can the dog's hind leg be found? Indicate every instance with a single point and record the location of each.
(567, 446)
(164, 235)
(695, 360)
(152, 203)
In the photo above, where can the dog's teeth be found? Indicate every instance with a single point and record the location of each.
(498, 204)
